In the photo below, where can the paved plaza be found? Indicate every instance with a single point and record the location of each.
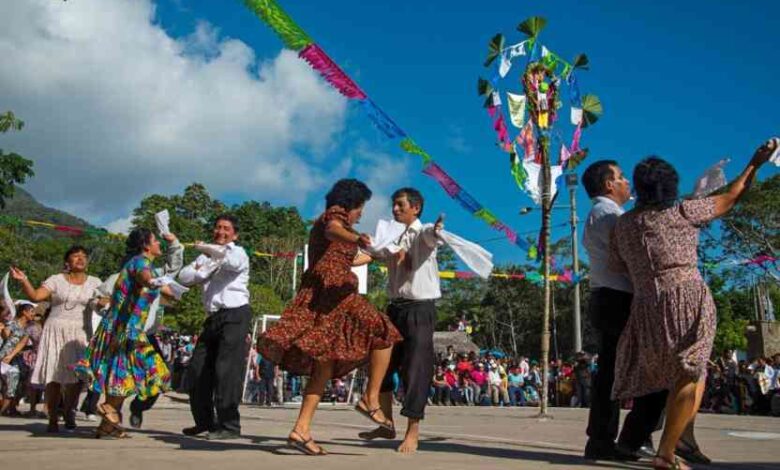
(454, 438)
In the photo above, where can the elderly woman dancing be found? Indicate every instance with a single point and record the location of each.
(668, 338)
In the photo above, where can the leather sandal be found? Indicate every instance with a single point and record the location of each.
(371, 413)
(665, 464)
(302, 445)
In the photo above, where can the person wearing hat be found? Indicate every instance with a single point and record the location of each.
(14, 339)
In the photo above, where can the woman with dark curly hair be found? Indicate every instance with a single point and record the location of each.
(120, 361)
(668, 338)
(329, 329)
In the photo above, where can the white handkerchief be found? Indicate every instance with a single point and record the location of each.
(163, 220)
(712, 180)
(474, 256)
(386, 234)
(6, 368)
(176, 289)
(9, 302)
(211, 250)
(775, 158)
(533, 184)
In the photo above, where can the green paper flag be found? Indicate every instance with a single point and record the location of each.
(409, 146)
(487, 216)
(269, 11)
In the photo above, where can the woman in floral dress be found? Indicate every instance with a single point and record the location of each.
(120, 361)
(668, 338)
(329, 329)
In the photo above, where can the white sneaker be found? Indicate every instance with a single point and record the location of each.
(92, 418)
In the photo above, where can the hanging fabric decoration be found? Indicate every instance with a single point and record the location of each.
(533, 183)
(775, 158)
(576, 116)
(516, 50)
(467, 202)
(499, 125)
(574, 91)
(516, 109)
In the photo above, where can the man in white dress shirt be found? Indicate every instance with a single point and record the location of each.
(413, 287)
(215, 373)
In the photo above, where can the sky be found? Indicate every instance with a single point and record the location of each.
(127, 98)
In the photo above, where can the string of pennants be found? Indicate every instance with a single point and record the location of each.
(295, 38)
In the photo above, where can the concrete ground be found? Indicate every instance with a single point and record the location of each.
(453, 438)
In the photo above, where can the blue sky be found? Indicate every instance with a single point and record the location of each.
(690, 81)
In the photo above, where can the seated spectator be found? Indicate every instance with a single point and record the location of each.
(441, 390)
(516, 386)
(496, 390)
(451, 376)
(13, 339)
(467, 387)
(480, 379)
(464, 364)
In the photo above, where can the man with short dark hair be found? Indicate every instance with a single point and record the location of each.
(215, 373)
(413, 287)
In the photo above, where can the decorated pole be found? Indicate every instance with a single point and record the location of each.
(544, 74)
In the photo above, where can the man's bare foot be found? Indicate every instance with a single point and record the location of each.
(378, 433)
(409, 444)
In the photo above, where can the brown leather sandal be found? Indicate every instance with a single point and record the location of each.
(371, 413)
(302, 445)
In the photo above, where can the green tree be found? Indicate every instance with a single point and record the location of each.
(14, 169)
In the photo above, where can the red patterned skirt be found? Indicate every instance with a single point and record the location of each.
(323, 324)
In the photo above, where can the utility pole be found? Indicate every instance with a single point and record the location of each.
(571, 183)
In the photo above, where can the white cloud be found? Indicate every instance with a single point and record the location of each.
(116, 109)
(121, 225)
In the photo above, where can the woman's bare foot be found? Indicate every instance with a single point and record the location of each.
(411, 439)
(378, 433)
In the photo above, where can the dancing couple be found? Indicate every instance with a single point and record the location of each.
(329, 329)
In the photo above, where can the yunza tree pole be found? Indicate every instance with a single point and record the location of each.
(546, 216)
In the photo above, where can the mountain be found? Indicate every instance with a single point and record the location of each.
(24, 206)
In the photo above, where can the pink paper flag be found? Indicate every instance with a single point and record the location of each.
(331, 72)
(434, 171)
(575, 141)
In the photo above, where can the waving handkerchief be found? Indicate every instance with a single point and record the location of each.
(775, 158)
(9, 302)
(386, 234)
(163, 220)
(211, 250)
(474, 256)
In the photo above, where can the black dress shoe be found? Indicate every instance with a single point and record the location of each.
(624, 454)
(136, 420)
(222, 435)
(599, 451)
(194, 430)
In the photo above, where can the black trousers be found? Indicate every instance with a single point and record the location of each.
(413, 358)
(216, 370)
(609, 310)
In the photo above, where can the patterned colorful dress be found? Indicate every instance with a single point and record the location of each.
(13, 377)
(670, 332)
(120, 360)
(328, 320)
